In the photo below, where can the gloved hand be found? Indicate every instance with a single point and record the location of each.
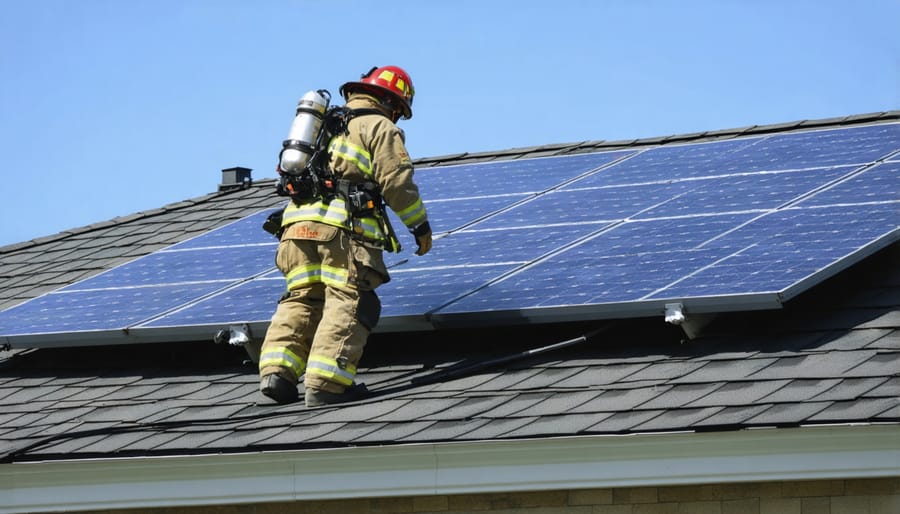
(422, 233)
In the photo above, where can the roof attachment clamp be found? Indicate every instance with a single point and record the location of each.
(692, 325)
(235, 335)
(239, 335)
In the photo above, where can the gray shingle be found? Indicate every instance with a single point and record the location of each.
(364, 412)
(419, 410)
(150, 443)
(548, 377)
(854, 339)
(601, 375)
(680, 395)
(445, 431)
(889, 388)
(732, 416)
(470, 407)
(621, 400)
(560, 403)
(724, 370)
(788, 413)
(565, 424)
(27, 395)
(677, 419)
(739, 393)
(92, 393)
(880, 364)
(851, 388)
(395, 432)
(516, 405)
(800, 390)
(623, 421)
(856, 410)
(497, 428)
(889, 342)
(813, 366)
(667, 370)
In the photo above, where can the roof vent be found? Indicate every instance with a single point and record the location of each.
(235, 178)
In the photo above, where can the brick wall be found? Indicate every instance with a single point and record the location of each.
(858, 496)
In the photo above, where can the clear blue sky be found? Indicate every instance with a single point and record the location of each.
(112, 107)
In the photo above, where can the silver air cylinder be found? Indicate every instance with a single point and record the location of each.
(301, 142)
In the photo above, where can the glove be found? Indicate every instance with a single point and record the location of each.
(422, 233)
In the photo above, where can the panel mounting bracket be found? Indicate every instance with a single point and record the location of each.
(691, 325)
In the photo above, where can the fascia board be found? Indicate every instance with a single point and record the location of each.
(453, 468)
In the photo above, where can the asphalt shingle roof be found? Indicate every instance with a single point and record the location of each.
(831, 356)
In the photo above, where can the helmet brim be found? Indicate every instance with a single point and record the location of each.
(350, 87)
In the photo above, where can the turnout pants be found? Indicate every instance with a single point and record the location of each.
(321, 324)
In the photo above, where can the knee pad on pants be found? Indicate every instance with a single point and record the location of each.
(369, 310)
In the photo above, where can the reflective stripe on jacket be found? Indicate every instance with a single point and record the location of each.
(335, 213)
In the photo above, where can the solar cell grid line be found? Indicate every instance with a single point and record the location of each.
(843, 146)
(750, 191)
(245, 231)
(94, 310)
(669, 162)
(848, 193)
(878, 183)
(449, 270)
(510, 176)
(250, 301)
(793, 249)
(117, 299)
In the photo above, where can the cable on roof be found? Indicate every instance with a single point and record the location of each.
(459, 370)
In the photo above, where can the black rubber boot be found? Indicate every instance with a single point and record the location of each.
(316, 398)
(278, 388)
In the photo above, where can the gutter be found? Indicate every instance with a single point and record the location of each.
(598, 461)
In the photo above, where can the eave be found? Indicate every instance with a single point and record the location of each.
(846, 451)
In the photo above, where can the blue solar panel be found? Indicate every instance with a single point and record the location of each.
(222, 264)
(876, 184)
(244, 232)
(508, 177)
(97, 309)
(740, 223)
(783, 248)
(247, 302)
(744, 192)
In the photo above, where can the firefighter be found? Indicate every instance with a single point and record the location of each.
(332, 256)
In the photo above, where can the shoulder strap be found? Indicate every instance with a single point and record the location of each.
(337, 118)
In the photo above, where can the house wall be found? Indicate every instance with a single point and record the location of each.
(857, 496)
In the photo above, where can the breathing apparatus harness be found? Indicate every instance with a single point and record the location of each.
(303, 170)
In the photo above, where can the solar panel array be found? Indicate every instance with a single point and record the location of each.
(723, 225)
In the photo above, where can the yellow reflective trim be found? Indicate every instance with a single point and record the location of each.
(284, 358)
(316, 273)
(333, 276)
(331, 370)
(303, 276)
(413, 215)
(333, 213)
(386, 75)
(343, 148)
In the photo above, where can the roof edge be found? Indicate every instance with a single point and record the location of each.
(845, 451)
(603, 145)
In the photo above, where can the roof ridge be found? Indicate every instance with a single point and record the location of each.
(128, 218)
(600, 144)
